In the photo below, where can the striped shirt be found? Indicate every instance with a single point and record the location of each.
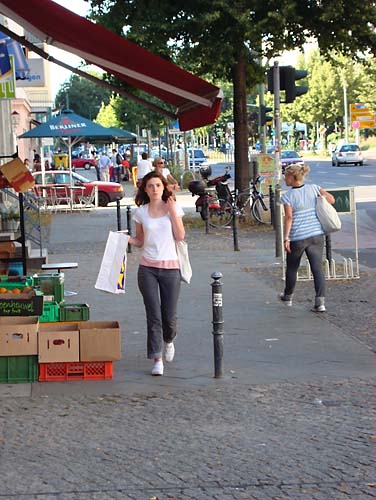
(304, 219)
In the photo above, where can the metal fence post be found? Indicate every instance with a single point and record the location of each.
(217, 323)
(129, 226)
(118, 215)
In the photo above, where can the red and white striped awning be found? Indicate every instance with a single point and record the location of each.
(197, 102)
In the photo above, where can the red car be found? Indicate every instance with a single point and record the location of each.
(107, 191)
(85, 163)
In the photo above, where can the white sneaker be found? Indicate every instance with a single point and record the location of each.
(319, 309)
(287, 300)
(157, 368)
(169, 351)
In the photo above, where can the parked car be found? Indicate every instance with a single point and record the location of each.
(107, 191)
(197, 157)
(347, 153)
(85, 163)
(290, 157)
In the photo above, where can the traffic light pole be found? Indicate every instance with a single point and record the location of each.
(262, 128)
(278, 166)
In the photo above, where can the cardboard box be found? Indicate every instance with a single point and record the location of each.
(19, 335)
(58, 342)
(100, 341)
(22, 304)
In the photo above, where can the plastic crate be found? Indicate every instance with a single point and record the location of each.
(74, 312)
(51, 312)
(51, 284)
(10, 283)
(89, 370)
(17, 369)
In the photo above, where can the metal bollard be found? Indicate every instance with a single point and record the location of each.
(206, 212)
(328, 247)
(118, 215)
(235, 228)
(217, 324)
(129, 226)
(272, 206)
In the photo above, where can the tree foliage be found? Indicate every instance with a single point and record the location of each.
(82, 96)
(226, 40)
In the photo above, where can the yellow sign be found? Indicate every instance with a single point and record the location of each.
(362, 116)
(265, 162)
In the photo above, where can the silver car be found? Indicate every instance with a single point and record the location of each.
(347, 153)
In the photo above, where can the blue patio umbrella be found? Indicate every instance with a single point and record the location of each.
(72, 128)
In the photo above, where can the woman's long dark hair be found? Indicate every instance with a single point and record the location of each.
(142, 198)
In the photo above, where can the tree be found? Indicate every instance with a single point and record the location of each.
(228, 39)
(82, 96)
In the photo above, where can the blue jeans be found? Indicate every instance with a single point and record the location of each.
(160, 289)
(313, 247)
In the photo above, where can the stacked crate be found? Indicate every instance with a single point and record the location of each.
(20, 306)
(18, 349)
(54, 306)
(56, 341)
(82, 350)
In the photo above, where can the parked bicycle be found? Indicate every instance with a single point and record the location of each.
(220, 205)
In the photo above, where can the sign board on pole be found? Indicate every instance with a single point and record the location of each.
(361, 116)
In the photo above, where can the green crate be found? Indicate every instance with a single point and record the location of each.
(51, 284)
(51, 312)
(10, 283)
(15, 369)
(74, 312)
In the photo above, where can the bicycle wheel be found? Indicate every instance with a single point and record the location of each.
(220, 213)
(261, 212)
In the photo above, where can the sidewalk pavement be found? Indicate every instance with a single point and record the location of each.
(264, 341)
(293, 417)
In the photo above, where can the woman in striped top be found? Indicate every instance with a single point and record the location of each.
(303, 232)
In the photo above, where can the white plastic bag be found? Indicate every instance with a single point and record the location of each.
(111, 277)
(327, 215)
(184, 264)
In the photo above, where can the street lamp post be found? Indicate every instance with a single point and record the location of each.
(15, 121)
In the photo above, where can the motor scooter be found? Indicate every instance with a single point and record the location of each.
(208, 202)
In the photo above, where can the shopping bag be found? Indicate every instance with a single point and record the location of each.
(327, 215)
(111, 276)
(184, 264)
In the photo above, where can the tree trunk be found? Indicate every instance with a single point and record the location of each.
(241, 125)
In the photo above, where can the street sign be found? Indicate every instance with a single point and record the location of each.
(361, 116)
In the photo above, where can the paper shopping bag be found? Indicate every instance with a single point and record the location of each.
(111, 276)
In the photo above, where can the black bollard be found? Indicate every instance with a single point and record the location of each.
(235, 227)
(129, 226)
(206, 213)
(118, 215)
(217, 324)
(328, 247)
(271, 203)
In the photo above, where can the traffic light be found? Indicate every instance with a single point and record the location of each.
(288, 75)
(264, 117)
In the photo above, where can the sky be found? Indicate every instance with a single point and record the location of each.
(58, 74)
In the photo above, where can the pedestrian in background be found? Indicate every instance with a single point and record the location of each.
(116, 160)
(303, 233)
(104, 167)
(159, 224)
(159, 166)
(144, 166)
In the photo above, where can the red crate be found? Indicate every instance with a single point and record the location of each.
(83, 370)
